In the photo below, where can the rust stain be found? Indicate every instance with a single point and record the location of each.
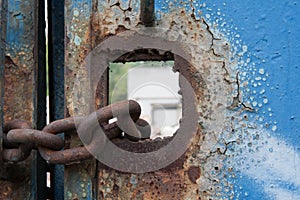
(206, 72)
(155, 185)
(171, 182)
(18, 104)
(18, 91)
(194, 173)
(15, 181)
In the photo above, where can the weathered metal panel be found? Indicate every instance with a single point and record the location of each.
(206, 75)
(19, 71)
(21, 83)
(84, 31)
(3, 8)
(244, 69)
(79, 178)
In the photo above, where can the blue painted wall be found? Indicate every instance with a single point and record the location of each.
(271, 30)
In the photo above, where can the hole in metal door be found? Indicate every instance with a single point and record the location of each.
(155, 86)
(109, 53)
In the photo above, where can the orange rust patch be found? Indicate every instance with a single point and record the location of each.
(18, 89)
(194, 173)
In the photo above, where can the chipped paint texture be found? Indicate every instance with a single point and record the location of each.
(213, 81)
(19, 61)
(19, 91)
(2, 55)
(85, 25)
(78, 178)
(262, 41)
(231, 86)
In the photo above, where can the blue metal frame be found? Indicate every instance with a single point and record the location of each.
(23, 39)
(56, 80)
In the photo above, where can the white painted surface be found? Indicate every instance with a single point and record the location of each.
(156, 88)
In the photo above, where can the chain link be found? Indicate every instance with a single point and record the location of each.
(19, 139)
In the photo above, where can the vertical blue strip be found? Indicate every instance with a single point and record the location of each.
(56, 80)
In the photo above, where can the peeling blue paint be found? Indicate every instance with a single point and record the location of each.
(83, 7)
(271, 32)
(77, 40)
(265, 36)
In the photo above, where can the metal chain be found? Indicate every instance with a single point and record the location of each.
(19, 139)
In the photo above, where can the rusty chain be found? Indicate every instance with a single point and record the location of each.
(19, 138)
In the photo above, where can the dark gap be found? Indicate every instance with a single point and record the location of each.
(147, 15)
(145, 55)
(56, 51)
(41, 166)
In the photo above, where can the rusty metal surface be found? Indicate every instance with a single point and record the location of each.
(171, 182)
(35, 137)
(230, 84)
(102, 21)
(86, 125)
(205, 169)
(19, 138)
(4, 190)
(82, 34)
(176, 181)
(19, 61)
(207, 73)
(78, 43)
(18, 180)
(22, 151)
(2, 56)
